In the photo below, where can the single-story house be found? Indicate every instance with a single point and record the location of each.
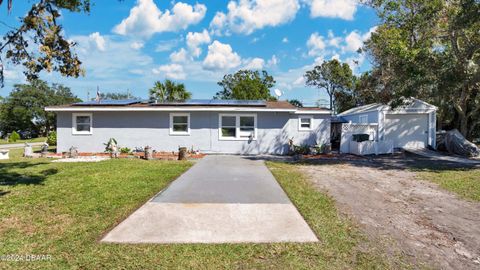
(209, 126)
(410, 126)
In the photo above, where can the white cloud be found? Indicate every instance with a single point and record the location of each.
(106, 68)
(179, 56)
(273, 61)
(218, 23)
(98, 40)
(353, 41)
(300, 81)
(166, 45)
(194, 40)
(254, 63)
(343, 9)
(316, 45)
(246, 16)
(221, 57)
(285, 40)
(171, 71)
(146, 19)
(136, 45)
(333, 40)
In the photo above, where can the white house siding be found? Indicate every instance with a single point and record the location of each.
(138, 129)
(372, 117)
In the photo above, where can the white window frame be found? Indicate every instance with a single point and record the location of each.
(237, 127)
(180, 133)
(363, 119)
(74, 124)
(300, 128)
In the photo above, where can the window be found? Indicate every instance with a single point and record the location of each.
(179, 124)
(305, 123)
(82, 123)
(237, 127)
(229, 127)
(247, 126)
(363, 119)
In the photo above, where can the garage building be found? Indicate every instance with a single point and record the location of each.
(409, 126)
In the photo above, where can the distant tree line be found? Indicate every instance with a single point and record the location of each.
(24, 108)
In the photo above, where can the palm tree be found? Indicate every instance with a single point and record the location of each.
(169, 91)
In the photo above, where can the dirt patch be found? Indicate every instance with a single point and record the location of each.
(412, 217)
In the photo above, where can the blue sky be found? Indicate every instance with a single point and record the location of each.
(130, 44)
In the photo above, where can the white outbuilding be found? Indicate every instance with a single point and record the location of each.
(409, 126)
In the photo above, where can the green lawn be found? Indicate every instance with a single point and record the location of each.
(63, 209)
(464, 182)
(39, 139)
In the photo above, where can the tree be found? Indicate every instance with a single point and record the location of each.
(296, 103)
(169, 91)
(51, 51)
(24, 108)
(246, 85)
(117, 95)
(430, 50)
(333, 76)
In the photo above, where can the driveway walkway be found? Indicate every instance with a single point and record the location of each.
(438, 156)
(19, 145)
(221, 199)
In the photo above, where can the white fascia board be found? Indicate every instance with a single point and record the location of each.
(411, 111)
(148, 109)
(312, 112)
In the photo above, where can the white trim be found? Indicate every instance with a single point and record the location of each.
(172, 109)
(177, 109)
(300, 128)
(74, 124)
(179, 133)
(237, 127)
(312, 112)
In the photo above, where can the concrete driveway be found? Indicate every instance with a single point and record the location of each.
(221, 199)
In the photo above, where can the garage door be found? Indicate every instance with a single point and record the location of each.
(407, 130)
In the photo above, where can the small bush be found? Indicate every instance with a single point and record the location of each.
(14, 137)
(52, 138)
(125, 150)
(301, 149)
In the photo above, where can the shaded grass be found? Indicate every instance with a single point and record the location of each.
(66, 214)
(464, 182)
(39, 139)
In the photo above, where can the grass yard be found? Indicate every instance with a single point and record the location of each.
(63, 209)
(39, 139)
(464, 182)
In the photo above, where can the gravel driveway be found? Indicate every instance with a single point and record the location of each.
(409, 216)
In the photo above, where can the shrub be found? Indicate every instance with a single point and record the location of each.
(125, 150)
(52, 138)
(14, 137)
(301, 149)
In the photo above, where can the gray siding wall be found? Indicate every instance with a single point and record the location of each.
(138, 129)
(355, 118)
